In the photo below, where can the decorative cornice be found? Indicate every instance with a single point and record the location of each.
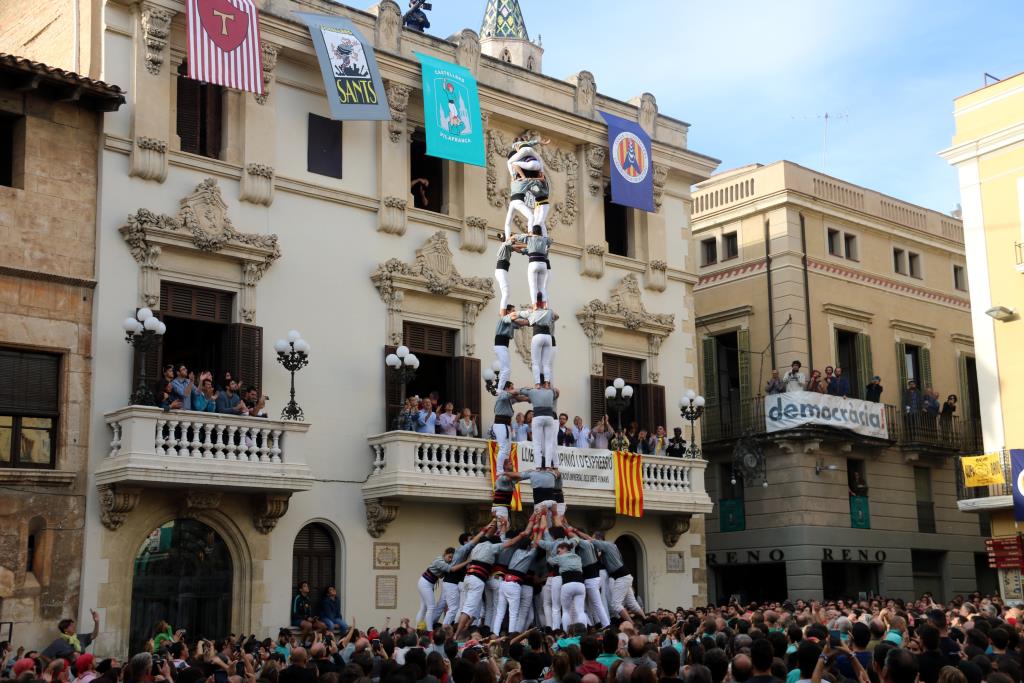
(115, 504)
(156, 28)
(673, 527)
(379, 514)
(911, 327)
(152, 144)
(432, 271)
(47, 277)
(398, 102)
(262, 170)
(887, 283)
(268, 61)
(267, 509)
(848, 312)
(624, 309)
(962, 339)
(730, 273)
(744, 311)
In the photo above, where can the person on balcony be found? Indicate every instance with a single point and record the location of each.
(600, 434)
(521, 428)
(467, 424)
(580, 433)
(659, 441)
(794, 379)
(840, 385)
(446, 420)
(427, 419)
(946, 417)
(181, 387)
(255, 405)
(677, 444)
(228, 401)
(205, 399)
(873, 391)
(816, 384)
(774, 385)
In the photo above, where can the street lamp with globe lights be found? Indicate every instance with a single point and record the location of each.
(691, 408)
(403, 364)
(617, 396)
(144, 333)
(491, 378)
(293, 354)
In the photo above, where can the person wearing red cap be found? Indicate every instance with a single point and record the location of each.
(22, 665)
(85, 666)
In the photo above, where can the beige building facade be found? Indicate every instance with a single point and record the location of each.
(233, 236)
(49, 162)
(798, 266)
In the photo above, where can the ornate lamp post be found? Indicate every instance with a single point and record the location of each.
(618, 396)
(691, 408)
(491, 378)
(144, 333)
(403, 364)
(293, 354)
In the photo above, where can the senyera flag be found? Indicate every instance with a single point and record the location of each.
(492, 451)
(629, 484)
(224, 44)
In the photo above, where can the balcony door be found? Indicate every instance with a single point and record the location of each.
(647, 408)
(727, 384)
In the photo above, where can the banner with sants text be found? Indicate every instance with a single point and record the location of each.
(983, 470)
(597, 469)
(492, 453)
(451, 112)
(799, 408)
(355, 91)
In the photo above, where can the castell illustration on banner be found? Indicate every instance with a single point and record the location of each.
(629, 155)
(1017, 471)
(224, 44)
(348, 65)
(451, 110)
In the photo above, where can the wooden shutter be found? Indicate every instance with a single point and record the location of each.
(243, 354)
(438, 341)
(393, 398)
(924, 357)
(710, 370)
(597, 405)
(629, 369)
(901, 368)
(212, 119)
(188, 114)
(31, 382)
(466, 379)
(865, 371)
(964, 406)
(323, 146)
(651, 408)
(196, 303)
(743, 359)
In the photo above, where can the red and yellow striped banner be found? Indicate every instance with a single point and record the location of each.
(492, 452)
(629, 484)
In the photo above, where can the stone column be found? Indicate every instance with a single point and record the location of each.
(394, 161)
(469, 191)
(152, 79)
(259, 123)
(593, 159)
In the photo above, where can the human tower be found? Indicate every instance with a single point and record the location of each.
(549, 573)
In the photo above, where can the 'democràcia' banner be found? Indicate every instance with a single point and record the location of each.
(451, 110)
(797, 408)
(355, 91)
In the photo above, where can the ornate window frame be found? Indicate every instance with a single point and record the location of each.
(625, 310)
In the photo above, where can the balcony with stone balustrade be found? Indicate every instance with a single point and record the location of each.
(426, 467)
(203, 455)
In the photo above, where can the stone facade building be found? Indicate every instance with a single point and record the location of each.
(217, 212)
(798, 266)
(51, 122)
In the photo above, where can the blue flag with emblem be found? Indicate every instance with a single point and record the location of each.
(1017, 469)
(629, 157)
(451, 112)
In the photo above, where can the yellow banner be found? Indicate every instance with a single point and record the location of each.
(983, 470)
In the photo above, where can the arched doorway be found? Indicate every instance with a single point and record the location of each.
(633, 559)
(182, 574)
(314, 559)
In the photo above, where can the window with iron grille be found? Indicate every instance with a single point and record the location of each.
(29, 408)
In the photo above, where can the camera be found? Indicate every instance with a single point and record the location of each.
(158, 663)
(427, 6)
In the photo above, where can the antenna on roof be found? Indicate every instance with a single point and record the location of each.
(827, 116)
(987, 76)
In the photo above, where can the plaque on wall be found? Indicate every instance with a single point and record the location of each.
(1010, 583)
(675, 562)
(387, 592)
(386, 556)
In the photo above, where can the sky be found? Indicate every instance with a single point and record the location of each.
(755, 78)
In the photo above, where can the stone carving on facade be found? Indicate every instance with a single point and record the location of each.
(592, 261)
(673, 527)
(398, 102)
(660, 177)
(624, 310)
(647, 114)
(470, 312)
(115, 504)
(257, 185)
(379, 514)
(467, 50)
(654, 342)
(148, 159)
(432, 272)
(522, 337)
(202, 224)
(392, 216)
(197, 501)
(268, 61)
(594, 155)
(388, 29)
(156, 29)
(656, 277)
(473, 236)
(562, 170)
(267, 508)
(586, 94)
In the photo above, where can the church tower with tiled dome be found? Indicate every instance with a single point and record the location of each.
(503, 35)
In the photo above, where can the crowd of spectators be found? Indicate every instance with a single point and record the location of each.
(972, 640)
(179, 389)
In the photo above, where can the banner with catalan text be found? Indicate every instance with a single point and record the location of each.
(983, 470)
(451, 112)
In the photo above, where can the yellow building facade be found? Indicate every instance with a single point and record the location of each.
(988, 153)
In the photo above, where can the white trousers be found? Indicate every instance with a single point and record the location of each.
(509, 597)
(545, 440)
(606, 591)
(472, 606)
(501, 276)
(622, 595)
(450, 594)
(540, 217)
(537, 278)
(554, 585)
(595, 603)
(503, 437)
(518, 205)
(428, 604)
(506, 365)
(542, 357)
(573, 598)
(542, 605)
(525, 608)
